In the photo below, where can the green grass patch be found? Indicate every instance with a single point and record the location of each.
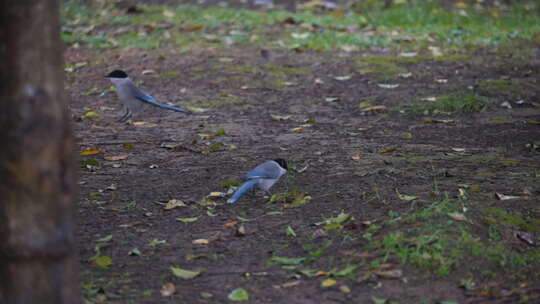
(406, 27)
(506, 89)
(498, 215)
(430, 241)
(383, 67)
(450, 104)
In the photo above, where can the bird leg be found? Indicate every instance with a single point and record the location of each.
(126, 115)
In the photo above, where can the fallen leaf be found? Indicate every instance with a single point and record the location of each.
(457, 216)
(155, 242)
(298, 129)
(73, 67)
(460, 4)
(105, 239)
(171, 204)
(446, 121)
(387, 86)
(302, 169)
(364, 104)
(405, 75)
(200, 242)
(215, 147)
(506, 104)
(148, 72)
(356, 156)
(378, 301)
(348, 48)
(91, 114)
(407, 198)
(344, 289)
(299, 200)
(343, 78)
(225, 59)
(187, 219)
(117, 157)
(300, 35)
(328, 283)
(205, 136)
(168, 13)
(216, 194)
(195, 27)
(331, 99)
(144, 124)
(435, 51)
(168, 289)
(238, 295)
(206, 295)
(348, 270)
(504, 197)
(291, 284)
(208, 203)
(408, 54)
(389, 274)
(321, 273)
(387, 150)
(230, 224)
(90, 151)
(407, 135)
(134, 251)
(374, 109)
(196, 109)
(183, 273)
(281, 117)
(290, 232)
(241, 231)
(102, 261)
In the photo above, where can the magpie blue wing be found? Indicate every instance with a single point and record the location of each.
(268, 169)
(151, 100)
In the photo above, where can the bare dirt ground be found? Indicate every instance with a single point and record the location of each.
(347, 159)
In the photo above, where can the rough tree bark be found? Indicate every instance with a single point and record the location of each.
(37, 162)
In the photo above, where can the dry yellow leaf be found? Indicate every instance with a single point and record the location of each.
(208, 203)
(90, 151)
(457, 216)
(168, 289)
(200, 242)
(328, 283)
(460, 4)
(387, 150)
(389, 274)
(171, 204)
(230, 224)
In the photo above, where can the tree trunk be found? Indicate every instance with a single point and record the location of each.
(37, 164)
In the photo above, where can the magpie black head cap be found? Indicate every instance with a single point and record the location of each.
(117, 74)
(282, 163)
